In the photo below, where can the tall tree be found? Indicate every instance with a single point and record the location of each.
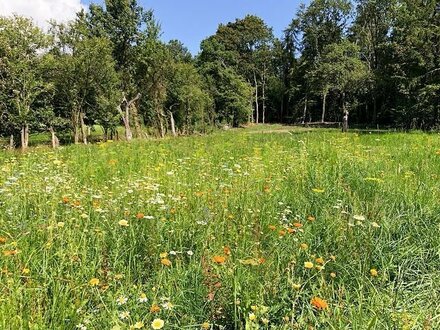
(86, 80)
(239, 45)
(126, 24)
(21, 44)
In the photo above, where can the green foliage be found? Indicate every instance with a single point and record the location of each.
(377, 58)
(231, 93)
(21, 82)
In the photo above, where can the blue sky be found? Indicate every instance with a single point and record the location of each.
(191, 21)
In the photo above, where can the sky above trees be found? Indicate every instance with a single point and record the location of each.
(189, 21)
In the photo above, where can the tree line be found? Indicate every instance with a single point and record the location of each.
(373, 61)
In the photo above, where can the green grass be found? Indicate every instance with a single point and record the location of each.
(241, 195)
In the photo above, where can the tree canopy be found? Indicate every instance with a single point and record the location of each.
(375, 59)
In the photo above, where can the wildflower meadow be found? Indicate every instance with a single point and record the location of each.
(246, 229)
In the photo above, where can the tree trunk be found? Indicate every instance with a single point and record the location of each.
(11, 142)
(137, 123)
(160, 117)
(55, 140)
(173, 124)
(345, 118)
(24, 137)
(305, 111)
(324, 99)
(105, 135)
(374, 108)
(75, 124)
(264, 100)
(257, 110)
(83, 128)
(125, 114)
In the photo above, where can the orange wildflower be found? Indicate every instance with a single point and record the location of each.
(3, 240)
(311, 218)
(140, 215)
(165, 262)
(154, 309)
(291, 231)
(319, 303)
(8, 253)
(219, 259)
(65, 199)
(272, 227)
(297, 225)
(227, 250)
(320, 260)
(282, 232)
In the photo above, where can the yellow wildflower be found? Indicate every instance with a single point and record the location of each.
(308, 265)
(157, 324)
(123, 223)
(94, 281)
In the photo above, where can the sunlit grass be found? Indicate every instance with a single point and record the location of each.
(237, 229)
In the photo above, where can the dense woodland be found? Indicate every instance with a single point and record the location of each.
(372, 62)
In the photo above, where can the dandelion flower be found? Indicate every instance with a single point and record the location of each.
(304, 246)
(265, 321)
(94, 281)
(123, 223)
(166, 262)
(25, 271)
(252, 317)
(332, 275)
(205, 325)
(308, 265)
(373, 272)
(296, 286)
(157, 324)
(318, 190)
(163, 255)
(319, 303)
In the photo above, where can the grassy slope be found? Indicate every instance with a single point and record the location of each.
(240, 191)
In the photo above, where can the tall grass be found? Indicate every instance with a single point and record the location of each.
(216, 232)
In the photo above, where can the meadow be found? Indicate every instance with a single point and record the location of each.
(246, 229)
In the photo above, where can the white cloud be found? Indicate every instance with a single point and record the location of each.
(42, 10)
